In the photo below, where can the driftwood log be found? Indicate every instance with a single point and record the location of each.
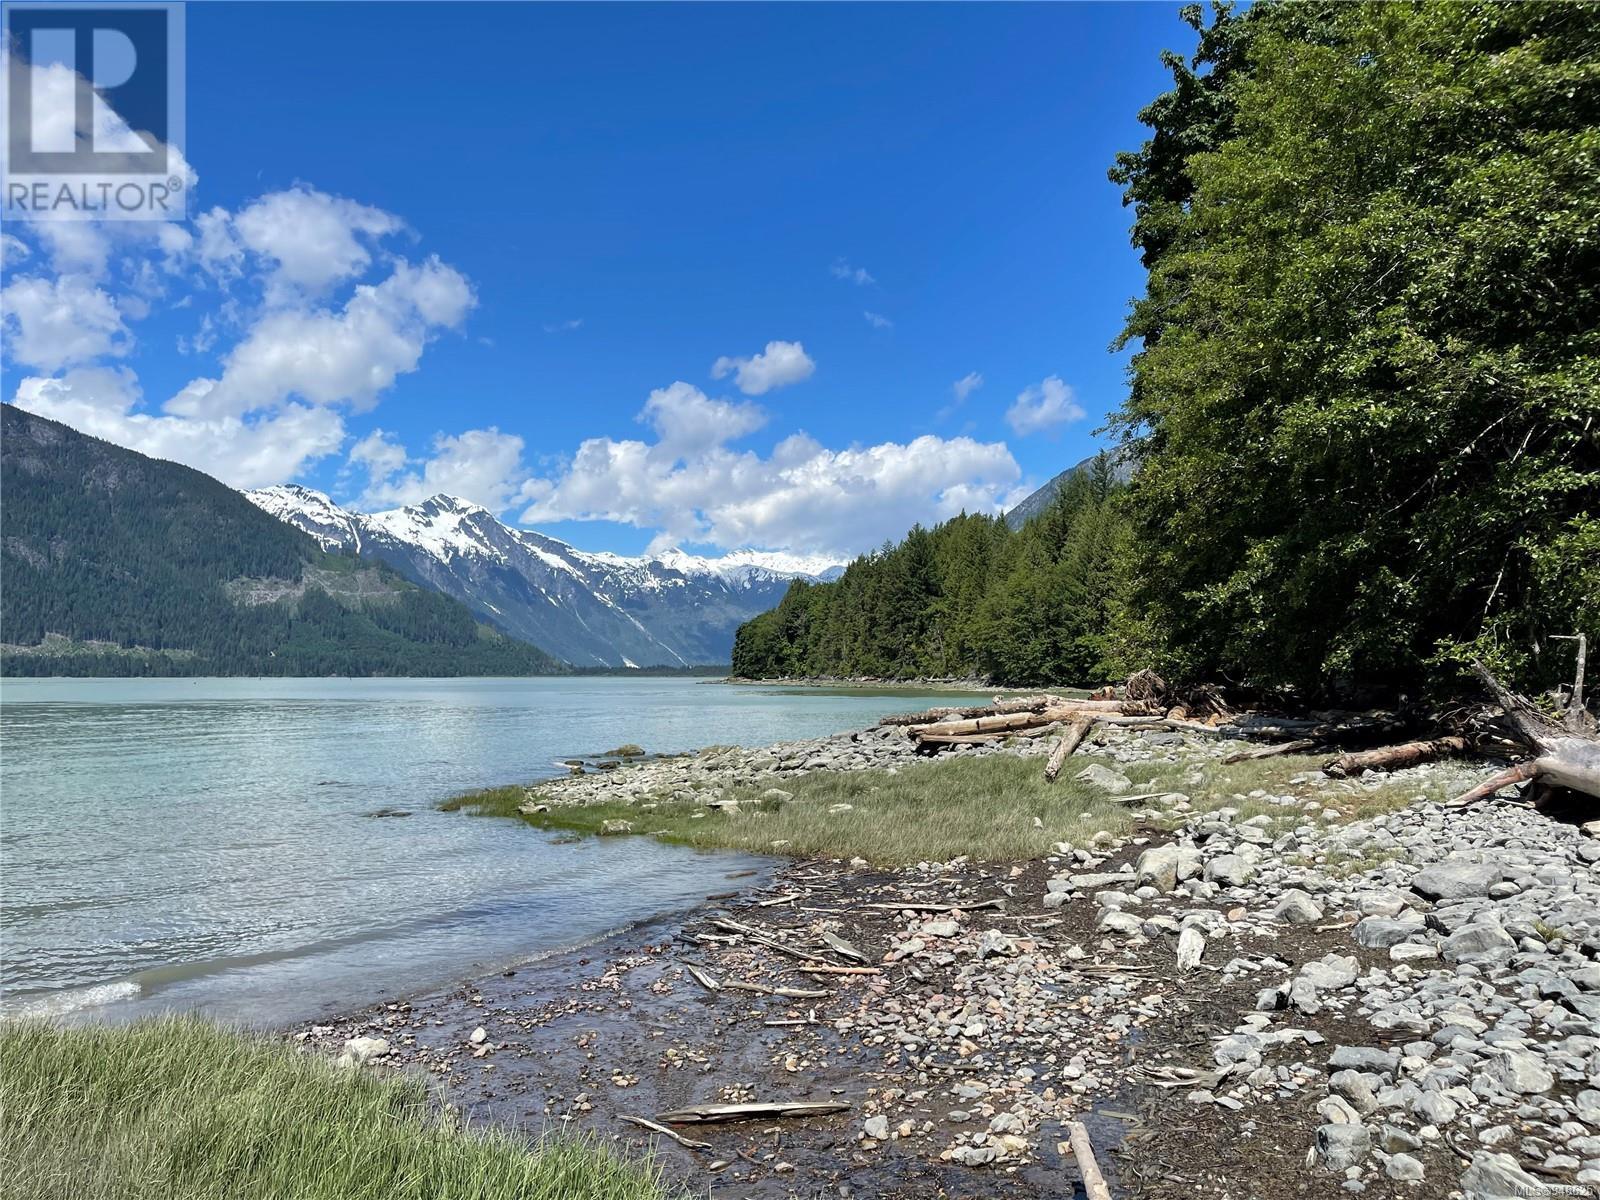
(1395, 758)
(1070, 737)
(1094, 1183)
(1563, 755)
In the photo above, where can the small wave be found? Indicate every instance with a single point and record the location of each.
(60, 1004)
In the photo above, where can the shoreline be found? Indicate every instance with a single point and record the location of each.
(1260, 983)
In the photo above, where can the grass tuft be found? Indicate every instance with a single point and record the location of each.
(176, 1107)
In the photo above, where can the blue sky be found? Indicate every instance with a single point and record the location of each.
(564, 216)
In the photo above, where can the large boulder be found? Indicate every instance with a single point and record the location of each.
(1479, 944)
(1456, 880)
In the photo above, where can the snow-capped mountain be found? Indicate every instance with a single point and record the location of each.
(672, 609)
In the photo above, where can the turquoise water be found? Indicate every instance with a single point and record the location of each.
(214, 844)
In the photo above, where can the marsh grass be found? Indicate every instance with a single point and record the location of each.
(984, 807)
(176, 1107)
(934, 811)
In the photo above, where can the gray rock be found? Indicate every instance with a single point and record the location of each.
(1520, 1073)
(1296, 908)
(876, 1128)
(1332, 971)
(1456, 880)
(1229, 870)
(1364, 1058)
(1157, 868)
(1479, 944)
(1104, 777)
(1498, 1177)
(1341, 1146)
(358, 1051)
(1379, 933)
(1403, 1166)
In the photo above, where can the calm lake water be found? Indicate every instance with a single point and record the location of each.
(211, 844)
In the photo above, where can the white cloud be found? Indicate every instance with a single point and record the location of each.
(326, 357)
(802, 497)
(379, 454)
(688, 421)
(1043, 405)
(481, 465)
(12, 250)
(243, 451)
(856, 275)
(878, 320)
(53, 323)
(311, 240)
(563, 326)
(779, 365)
(965, 386)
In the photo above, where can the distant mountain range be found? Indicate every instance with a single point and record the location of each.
(119, 564)
(671, 609)
(1121, 472)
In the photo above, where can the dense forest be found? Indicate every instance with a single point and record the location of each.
(1364, 408)
(118, 564)
(969, 597)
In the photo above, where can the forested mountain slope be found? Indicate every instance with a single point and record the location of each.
(112, 563)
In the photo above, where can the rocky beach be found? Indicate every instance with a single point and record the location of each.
(1323, 987)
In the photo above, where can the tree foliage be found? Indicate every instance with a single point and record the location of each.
(967, 598)
(1367, 393)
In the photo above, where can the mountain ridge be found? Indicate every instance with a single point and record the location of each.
(589, 608)
(120, 564)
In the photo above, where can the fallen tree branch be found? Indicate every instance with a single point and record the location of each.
(1094, 1183)
(653, 1127)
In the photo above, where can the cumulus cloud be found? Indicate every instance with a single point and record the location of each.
(878, 320)
(334, 357)
(856, 275)
(308, 239)
(312, 338)
(779, 365)
(1043, 405)
(480, 465)
(246, 452)
(379, 454)
(54, 323)
(802, 497)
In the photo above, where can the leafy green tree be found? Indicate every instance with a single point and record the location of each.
(1367, 394)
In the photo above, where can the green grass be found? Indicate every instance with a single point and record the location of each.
(937, 810)
(178, 1108)
(926, 812)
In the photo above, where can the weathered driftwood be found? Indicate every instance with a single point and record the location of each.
(709, 982)
(843, 948)
(702, 1114)
(1094, 1183)
(959, 739)
(1070, 737)
(830, 969)
(1295, 747)
(939, 905)
(761, 989)
(653, 1127)
(1065, 711)
(993, 709)
(1560, 758)
(1395, 758)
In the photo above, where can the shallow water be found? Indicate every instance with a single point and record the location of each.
(214, 844)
